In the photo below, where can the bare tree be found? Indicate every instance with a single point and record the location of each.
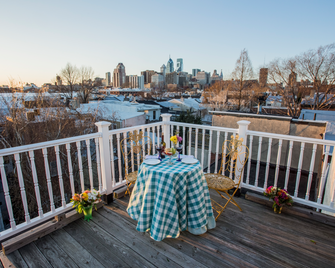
(87, 83)
(69, 77)
(318, 66)
(242, 73)
(283, 74)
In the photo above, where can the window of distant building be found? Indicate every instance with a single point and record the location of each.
(154, 115)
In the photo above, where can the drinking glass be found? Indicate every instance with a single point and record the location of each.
(179, 149)
(159, 150)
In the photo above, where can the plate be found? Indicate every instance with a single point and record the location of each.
(189, 160)
(151, 161)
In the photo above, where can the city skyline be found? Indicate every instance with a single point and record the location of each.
(39, 38)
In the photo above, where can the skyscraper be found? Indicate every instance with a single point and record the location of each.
(169, 66)
(163, 70)
(180, 65)
(119, 75)
(195, 71)
(108, 78)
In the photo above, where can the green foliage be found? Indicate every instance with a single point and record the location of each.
(189, 118)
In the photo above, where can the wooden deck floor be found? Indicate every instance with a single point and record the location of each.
(255, 237)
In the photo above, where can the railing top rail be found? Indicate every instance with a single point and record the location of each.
(46, 144)
(126, 129)
(226, 129)
(291, 138)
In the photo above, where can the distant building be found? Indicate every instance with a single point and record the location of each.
(180, 65)
(157, 80)
(169, 66)
(203, 77)
(119, 75)
(292, 79)
(58, 81)
(108, 78)
(163, 70)
(172, 78)
(195, 71)
(136, 81)
(147, 75)
(263, 77)
(215, 77)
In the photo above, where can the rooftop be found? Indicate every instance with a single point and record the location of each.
(255, 237)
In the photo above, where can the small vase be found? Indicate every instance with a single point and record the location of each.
(277, 209)
(170, 160)
(87, 213)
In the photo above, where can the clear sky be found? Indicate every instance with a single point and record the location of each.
(38, 38)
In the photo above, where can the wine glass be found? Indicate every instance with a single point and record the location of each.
(179, 149)
(159, 150)
(169, 154)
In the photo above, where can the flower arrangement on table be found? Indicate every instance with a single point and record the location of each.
(280, 198)
(85, 201)
(175, 139)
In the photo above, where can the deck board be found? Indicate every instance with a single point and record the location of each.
(255, 237)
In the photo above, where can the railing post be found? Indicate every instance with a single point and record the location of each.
(242, 133)
(166, 129)
(106, 172)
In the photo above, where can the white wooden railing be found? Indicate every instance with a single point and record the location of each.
(95, 161)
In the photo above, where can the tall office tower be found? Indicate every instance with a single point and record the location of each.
(108, 78)
(221, 74)
(119, 75)
(195, 71)
(180, 65)
(169, 66)
(263, 77)
(147, 75)
(163, 70)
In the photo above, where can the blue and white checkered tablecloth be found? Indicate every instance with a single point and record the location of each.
(167, 199)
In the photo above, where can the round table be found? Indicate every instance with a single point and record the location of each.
(167, 199)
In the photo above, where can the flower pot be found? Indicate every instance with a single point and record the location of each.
(277, 209)
(87, 213)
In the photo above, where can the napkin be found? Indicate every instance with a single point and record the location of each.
(151, 157)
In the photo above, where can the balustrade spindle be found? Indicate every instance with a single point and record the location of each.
(80, 163)
(268, 159)
(132, 156)
(323, 173)
(288, 166)
(89, 160)
(209, 151)
(97, 156)
(143, 143)
(231, 166)
(47, 174)
(297, 182)
(153, 139)
(189, 140)
(184, 145)
(249, 160)
(111, 145)
(311, 169)
(60, 177)
(196, 143)
(69, 163)
(22, 189)
(203, 148)
(6, 194)
(119, 156)
(36, 185)
(260, 139)
(125, 150)
(278, 162)
(217, 151)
